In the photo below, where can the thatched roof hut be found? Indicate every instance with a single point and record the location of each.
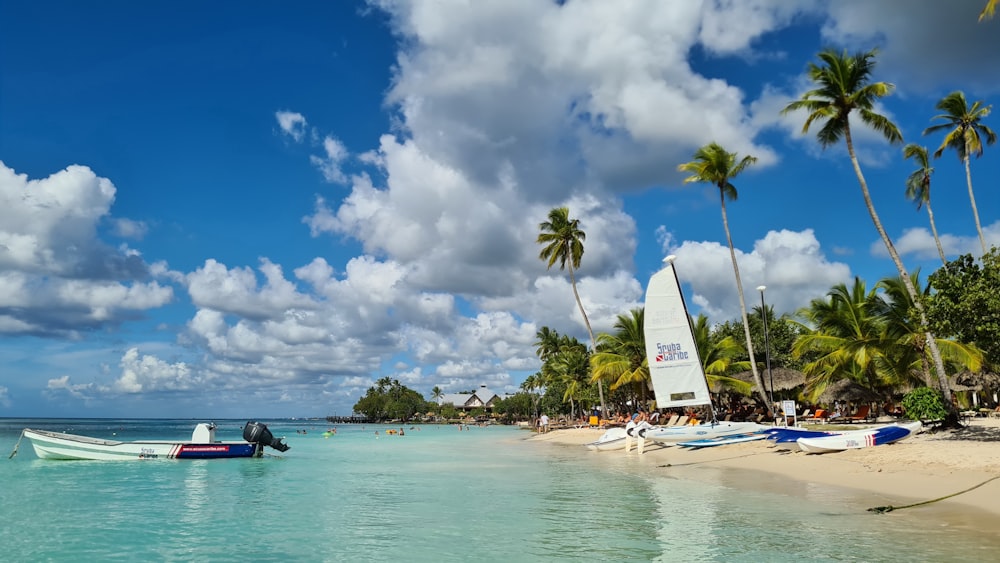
(974, 381)
(847, 390)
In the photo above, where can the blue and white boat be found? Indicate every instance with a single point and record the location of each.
(202, 445)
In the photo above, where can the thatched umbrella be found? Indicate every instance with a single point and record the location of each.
(785, 379)
(847, 390)
(978, 380)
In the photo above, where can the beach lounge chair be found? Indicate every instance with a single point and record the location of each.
(673, 420)
(681, 421)
(861, 416)
(821, 416)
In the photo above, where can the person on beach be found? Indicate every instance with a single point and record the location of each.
(543, 423)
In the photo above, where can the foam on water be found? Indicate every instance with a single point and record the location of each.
(435, 494)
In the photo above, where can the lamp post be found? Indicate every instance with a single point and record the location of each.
(767, 344)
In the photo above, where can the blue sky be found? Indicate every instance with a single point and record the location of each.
(247, 209)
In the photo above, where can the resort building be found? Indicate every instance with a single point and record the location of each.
(480, 398)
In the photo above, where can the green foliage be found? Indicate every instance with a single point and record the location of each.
(966, 302)
(520, 406)
(448, 411)
(781, 335)
(389, 399)
(924, 403)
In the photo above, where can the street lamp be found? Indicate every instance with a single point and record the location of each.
(767, 343)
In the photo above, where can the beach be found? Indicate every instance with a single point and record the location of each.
(930, 465)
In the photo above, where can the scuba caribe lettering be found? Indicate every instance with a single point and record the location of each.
(671, 351)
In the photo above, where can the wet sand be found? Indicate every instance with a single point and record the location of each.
(927, 466)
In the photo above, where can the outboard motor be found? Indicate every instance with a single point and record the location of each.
(257, 433)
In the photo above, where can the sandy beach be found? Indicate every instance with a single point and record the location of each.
(927, 466)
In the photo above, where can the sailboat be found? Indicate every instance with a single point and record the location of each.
(675, 368)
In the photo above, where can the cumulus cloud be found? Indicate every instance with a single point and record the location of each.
(56, 275)
(791, 265)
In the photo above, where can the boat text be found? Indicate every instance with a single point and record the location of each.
(670, 352)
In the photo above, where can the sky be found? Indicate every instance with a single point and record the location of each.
(257, 209)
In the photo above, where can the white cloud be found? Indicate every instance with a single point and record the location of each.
(790, 264)
(144, 374)
(127, 228)
(56, 275)
(292, 124)
(332, 161)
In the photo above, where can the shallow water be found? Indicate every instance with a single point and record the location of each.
(435, 494)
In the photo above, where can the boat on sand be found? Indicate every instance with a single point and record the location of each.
(202, 445)
(612, 439)
(855, 439)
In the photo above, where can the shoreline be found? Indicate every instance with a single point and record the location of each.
(921, 468)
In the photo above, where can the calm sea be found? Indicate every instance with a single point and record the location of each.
(435, 494)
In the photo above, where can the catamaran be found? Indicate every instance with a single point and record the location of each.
(674, 365)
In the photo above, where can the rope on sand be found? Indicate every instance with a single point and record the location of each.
(890, 508)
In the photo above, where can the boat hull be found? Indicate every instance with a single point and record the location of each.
(57, 445)
(613, 439)
(722, 441)
(677, 434)
(859, 439)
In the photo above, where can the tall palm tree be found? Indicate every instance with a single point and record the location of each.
(563, 240)
(436, 393)
(844, 86)
(965, 137)
(918, 187)
(712, 164)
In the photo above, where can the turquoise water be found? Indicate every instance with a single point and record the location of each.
(435, 494)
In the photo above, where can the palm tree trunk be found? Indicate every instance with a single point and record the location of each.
(590, 331)
(905, 276)
(937, 240)
(972, 198)
(743, 308)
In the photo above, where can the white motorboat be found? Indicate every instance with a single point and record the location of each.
(202, 445)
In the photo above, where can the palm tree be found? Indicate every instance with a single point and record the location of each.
(918, 187)
(966, 137)
(896, 309)
(563, 242)
(436, 393)
(714, 165)
(988, 10)
(844, 86)
(845, 338)
(547, 342)
(718, 356)
(620, 358)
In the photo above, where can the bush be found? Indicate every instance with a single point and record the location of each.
(924, 403)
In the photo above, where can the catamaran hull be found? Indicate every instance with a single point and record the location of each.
(613, 439)
(677, 434)
(57, 445)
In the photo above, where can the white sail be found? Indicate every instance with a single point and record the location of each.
(674, 366)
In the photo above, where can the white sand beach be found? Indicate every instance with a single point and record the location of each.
(927, 466)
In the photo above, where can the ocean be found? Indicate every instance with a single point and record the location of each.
(436, 494)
